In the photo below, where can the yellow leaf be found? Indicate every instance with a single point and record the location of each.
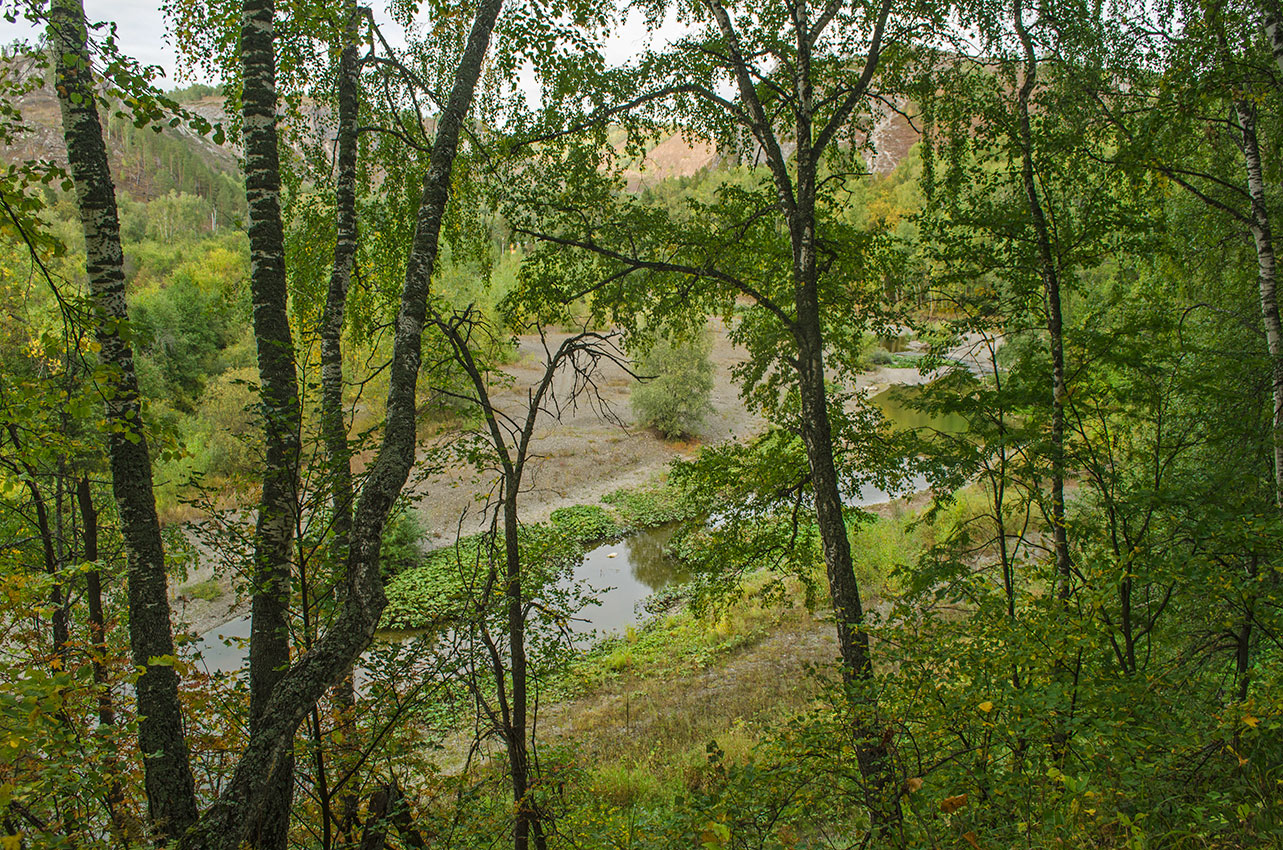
(970, 838)
(986, 706)
(1249, 720)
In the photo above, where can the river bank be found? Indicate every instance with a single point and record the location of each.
(577, 459)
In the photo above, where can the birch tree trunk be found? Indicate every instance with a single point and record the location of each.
(1267, 276)
(167, 776)
(269, 648)
(226, 824)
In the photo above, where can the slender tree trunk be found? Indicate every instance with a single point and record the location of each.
(1267, 277)
(871, 744)
(269, 650)
(527, 817)
(1048, 270)
(225, 825)
(333, 422)
(171, 795)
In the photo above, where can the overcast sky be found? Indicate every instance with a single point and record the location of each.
(141, 29)
(139, 25)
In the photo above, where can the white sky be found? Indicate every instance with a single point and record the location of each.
(141, 29)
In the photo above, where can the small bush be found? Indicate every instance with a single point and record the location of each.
(675, 398)
(402, 539)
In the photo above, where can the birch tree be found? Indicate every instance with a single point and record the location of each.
(168, 779)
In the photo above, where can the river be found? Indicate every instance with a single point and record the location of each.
(632, 568)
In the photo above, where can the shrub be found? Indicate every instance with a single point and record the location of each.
(402, 539)
(675, 397)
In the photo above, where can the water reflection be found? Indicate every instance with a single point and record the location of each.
(648, 557)
(632, 569)
(896, 406)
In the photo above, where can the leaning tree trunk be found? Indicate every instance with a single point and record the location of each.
(226, 824)
(269, 648)
(167, 776)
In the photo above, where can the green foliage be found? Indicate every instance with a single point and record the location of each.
(402, 542)
(647, 507)
(677, 381)
(585, 523)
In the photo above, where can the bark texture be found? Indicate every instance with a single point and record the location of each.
(269, 648)
(225, 825)
(1267, 274)
(1273, 21)
(171, 796)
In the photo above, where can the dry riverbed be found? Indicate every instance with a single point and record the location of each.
(580, 456)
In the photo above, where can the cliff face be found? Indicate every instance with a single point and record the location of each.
(143, 162)
(147, 164)
(891, 138)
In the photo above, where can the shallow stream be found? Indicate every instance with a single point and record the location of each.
(632, 568)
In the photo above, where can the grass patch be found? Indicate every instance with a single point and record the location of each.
(894, 359)
(647, 507)
(208, 590)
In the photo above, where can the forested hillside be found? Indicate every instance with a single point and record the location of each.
(832, 425)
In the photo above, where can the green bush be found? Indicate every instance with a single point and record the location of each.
(674, 398)
(401, 549)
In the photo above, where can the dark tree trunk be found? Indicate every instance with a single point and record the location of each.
(167, 775)
(333, 422)
(1048, 270)
(269, 649)
(225, 825)
(796, 205)
(517, 732)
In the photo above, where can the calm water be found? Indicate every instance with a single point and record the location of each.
(629, 570)
(895, 405)
(632, 568)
